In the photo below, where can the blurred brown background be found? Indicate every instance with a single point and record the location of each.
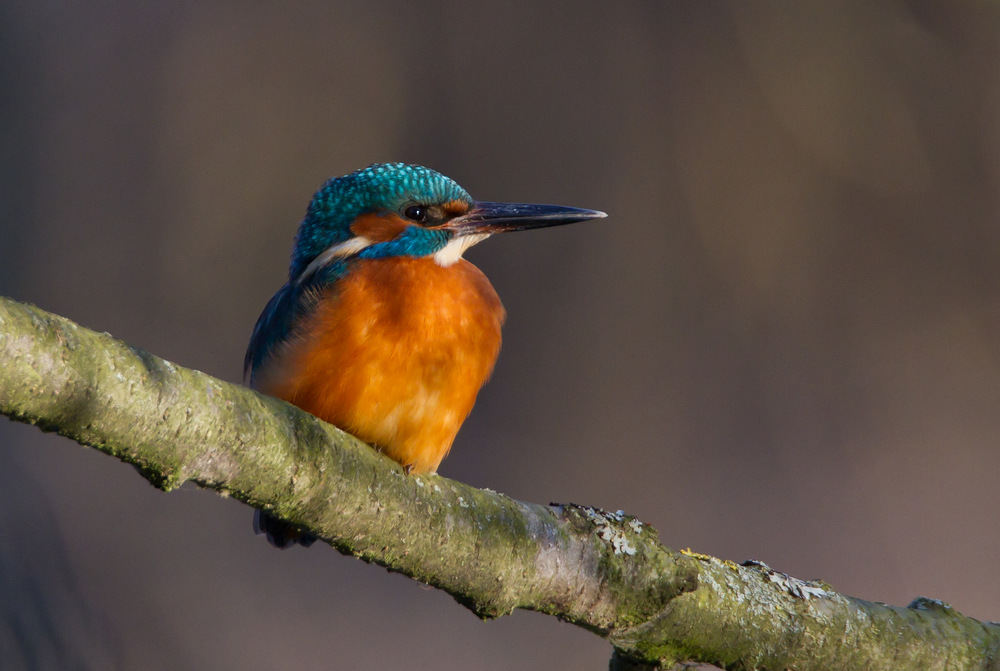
(784, 344)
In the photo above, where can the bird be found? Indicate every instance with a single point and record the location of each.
(383, 329)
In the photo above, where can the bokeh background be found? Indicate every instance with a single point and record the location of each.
(784, 343)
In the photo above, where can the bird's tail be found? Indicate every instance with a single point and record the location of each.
(280, 534)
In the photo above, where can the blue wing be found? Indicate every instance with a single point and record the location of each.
(275, 325)
(277, 322)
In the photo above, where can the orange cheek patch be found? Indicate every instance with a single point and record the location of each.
(455, 207)
(378, 227)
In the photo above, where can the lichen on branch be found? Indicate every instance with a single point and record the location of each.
(604, 571)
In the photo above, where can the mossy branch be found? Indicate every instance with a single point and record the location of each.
(606, 572)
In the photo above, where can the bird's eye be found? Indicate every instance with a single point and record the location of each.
(417, 213)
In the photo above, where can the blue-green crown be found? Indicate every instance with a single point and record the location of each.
(379, 187)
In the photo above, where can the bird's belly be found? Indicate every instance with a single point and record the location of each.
(395, 353)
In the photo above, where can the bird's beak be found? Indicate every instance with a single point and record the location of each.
(488, 218)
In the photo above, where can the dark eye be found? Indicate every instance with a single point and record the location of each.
(417, 213)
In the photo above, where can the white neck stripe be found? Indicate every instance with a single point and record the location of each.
(338, 251)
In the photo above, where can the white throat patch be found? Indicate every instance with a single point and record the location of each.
(452, 252)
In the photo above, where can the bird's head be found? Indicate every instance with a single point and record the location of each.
(395, 209)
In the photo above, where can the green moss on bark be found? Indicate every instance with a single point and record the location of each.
(603, 571)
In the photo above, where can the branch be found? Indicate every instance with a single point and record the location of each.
(603, 571)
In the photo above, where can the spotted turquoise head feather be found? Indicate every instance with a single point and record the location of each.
(381, 187)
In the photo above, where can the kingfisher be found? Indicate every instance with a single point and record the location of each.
(383, 329)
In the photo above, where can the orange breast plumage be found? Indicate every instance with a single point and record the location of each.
(395, 353)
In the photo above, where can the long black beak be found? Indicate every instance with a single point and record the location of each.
(489, 218)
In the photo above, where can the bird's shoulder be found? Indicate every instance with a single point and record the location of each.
(276, 323)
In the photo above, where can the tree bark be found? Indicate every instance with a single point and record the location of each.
(603, 571)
